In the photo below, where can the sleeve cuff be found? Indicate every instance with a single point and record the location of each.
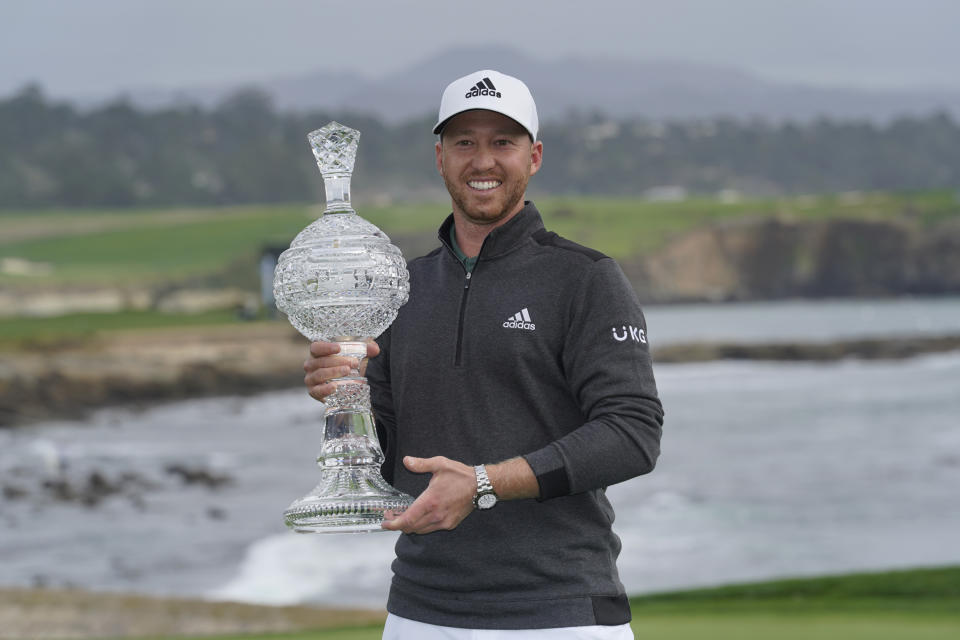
(550, 471)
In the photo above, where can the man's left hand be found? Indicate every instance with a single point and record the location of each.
(446, 501)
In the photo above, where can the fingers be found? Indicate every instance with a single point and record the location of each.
(424, 465)
(319, 349)
(318, 380)
(413, 520)
(426, 515)
(322, 374)
(322, 356)
(447, 500)
(321, 391)
(373, 350)
(323, 366)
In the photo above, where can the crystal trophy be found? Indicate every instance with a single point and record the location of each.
(342, 281)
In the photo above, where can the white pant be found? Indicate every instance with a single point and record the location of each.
(398, 628)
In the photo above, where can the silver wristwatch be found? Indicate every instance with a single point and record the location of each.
(485, 497)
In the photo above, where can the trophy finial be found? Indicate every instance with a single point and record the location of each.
(335, 148)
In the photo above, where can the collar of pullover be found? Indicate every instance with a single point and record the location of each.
(504, 238)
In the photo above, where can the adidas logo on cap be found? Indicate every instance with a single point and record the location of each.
(483, 88)
(520, 320)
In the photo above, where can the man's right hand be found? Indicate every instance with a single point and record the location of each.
(324, 365)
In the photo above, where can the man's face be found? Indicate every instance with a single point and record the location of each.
(486, 160)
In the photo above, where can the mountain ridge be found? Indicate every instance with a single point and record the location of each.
(658, 89)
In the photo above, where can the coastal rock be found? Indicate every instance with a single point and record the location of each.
(199, 476)
(89, 489)
(873, 349)
(49, 302)
(770, 258)
(147, 366)
(92, 489)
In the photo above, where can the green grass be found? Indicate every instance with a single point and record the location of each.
(736, 627)
(898, 605)
(218, 247)
(37, 332)
(406, 218)
(144, 249)
(626, 227)
(925, 591)
(150, 246)
(762, 627)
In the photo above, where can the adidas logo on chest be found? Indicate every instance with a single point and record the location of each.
(520, 320)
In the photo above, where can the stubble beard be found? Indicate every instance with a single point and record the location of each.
(460, 194)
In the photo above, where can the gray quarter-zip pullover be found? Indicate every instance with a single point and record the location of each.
(541, 351)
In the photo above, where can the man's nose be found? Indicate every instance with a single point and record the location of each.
(483, 158)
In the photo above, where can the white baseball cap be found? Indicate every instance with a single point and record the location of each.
(493, 91)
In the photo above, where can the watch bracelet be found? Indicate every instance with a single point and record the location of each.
(483, 480)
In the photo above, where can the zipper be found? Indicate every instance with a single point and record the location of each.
(458, 358)
(468, 275)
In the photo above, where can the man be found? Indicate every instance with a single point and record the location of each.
(513, 387)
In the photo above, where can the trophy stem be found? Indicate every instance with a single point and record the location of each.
(337, 188)
(352, 495)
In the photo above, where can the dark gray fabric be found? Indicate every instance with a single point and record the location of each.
(572, 391)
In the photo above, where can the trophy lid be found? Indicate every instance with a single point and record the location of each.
(335, 148)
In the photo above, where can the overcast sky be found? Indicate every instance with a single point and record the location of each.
(103, 46)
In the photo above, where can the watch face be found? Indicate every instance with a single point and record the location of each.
(486, 501)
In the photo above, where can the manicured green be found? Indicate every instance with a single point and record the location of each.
(36, 332)
(921, 591)
(699, 627)
(755, 626)
(626, 227)
(148, 246)
(922, 604)
(406, 218)
(144, 249)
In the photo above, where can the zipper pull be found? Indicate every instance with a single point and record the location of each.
(466, 283)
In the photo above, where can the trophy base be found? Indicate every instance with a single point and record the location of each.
(358, 507)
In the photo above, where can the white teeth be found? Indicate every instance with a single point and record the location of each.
(483, 185)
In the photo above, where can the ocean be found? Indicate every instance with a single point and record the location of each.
(768, 469)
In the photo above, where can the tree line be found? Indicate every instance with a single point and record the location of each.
(245, 151)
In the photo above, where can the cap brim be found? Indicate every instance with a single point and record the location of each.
(440, 125)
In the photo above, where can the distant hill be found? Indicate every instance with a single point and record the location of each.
(658, 89)
(245, 151)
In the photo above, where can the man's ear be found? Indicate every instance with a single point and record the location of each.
(536, 157)
(439, 150)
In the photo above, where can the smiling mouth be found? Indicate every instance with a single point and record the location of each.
(483, 185)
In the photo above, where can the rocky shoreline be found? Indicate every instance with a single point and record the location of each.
(863, 349)
(53, 381)
(68, 380)
(776, 258)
